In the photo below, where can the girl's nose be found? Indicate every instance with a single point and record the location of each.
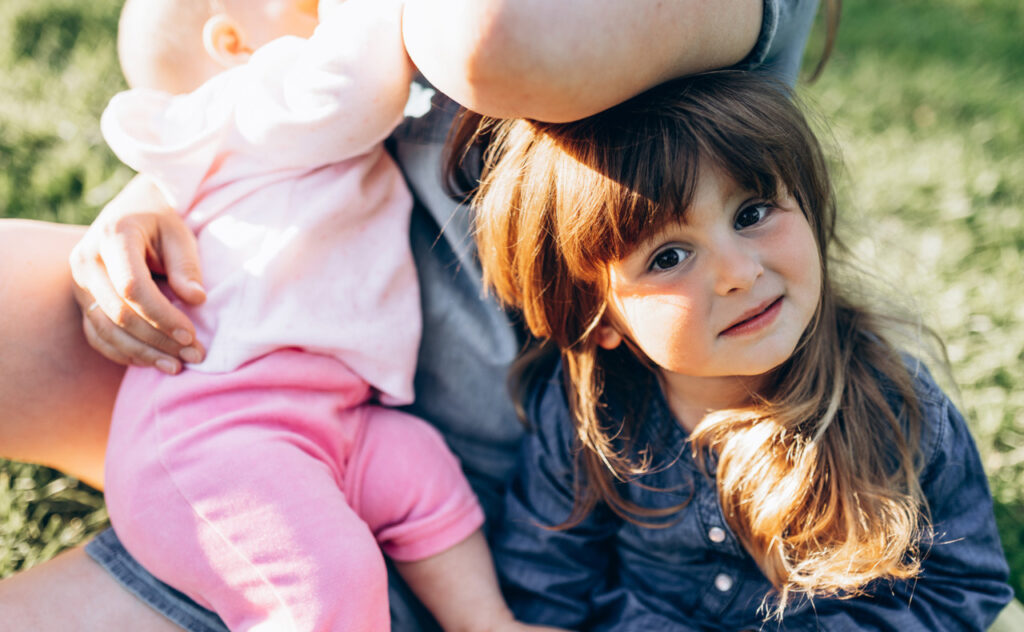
(737, 268)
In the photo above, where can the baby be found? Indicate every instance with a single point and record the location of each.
(264, 481)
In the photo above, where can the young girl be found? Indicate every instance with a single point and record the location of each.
(729, 435)
(264, 481)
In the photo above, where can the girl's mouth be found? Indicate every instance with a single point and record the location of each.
(763, 317)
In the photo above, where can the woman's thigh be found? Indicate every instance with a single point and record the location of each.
(57, 392)
(72, 592)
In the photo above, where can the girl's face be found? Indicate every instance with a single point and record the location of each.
(728, 292)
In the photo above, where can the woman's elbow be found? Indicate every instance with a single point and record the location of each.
(478, 55)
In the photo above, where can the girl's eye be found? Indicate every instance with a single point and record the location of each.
(669, 258)
(750, 215)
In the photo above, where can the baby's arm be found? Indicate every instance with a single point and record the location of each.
(331, 97)
(460, 588)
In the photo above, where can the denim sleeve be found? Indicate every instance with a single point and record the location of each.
(785, 25)
(962, 585)
(550, 575)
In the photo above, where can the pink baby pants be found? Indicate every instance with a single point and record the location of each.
(267, 494)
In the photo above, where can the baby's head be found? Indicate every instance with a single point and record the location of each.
(561, 203)
(176, 45)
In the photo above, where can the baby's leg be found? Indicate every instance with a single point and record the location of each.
(231, 492)
(460, 588)
(409, 488)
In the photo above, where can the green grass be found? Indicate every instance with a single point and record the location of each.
(925, 100)
(59, 70)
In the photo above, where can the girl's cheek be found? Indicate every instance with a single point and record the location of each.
(662, 319)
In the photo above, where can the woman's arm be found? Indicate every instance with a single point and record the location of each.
(561, 61)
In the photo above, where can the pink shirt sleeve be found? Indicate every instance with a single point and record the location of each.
(332, 97)
(173, 139)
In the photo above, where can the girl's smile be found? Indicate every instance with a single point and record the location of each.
(727, 292)
(758, 319)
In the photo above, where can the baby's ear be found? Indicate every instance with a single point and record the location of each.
(607, 337)
(224, 41)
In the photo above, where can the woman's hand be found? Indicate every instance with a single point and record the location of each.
(125, 315)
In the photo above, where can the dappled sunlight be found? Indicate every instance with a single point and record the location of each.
(924, 99)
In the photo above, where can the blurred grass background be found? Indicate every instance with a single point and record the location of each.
(925, 101)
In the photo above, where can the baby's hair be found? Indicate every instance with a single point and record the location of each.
(819, 476)
(157, 40)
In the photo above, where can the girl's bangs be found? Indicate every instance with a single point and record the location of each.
(615, 190)
(609, 203)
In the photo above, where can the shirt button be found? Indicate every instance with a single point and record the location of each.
(723, 582)
(716, 534)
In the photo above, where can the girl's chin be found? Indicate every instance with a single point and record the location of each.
(748, 372)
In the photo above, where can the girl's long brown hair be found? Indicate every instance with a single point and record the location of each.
(819, 476)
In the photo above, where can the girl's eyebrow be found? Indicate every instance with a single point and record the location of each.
(657, 235)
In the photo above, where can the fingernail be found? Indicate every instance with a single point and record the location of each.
(183, 337)
(191, 355)
(170, 367)
(197, 286)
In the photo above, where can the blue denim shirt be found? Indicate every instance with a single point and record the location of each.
(692, 573)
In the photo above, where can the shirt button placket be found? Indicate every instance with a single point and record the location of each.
(723, 584)
(725, 579)
(719, 595)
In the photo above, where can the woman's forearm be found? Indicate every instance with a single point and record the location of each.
(559, 61)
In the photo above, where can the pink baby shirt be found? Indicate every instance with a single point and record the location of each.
(302, 218)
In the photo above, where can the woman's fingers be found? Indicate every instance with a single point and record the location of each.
(181, 262)
(113, 329)
(98, 341)
(131, 298)
(126, 315)
(129, 340)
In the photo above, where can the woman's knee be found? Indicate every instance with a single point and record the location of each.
(56, 390)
